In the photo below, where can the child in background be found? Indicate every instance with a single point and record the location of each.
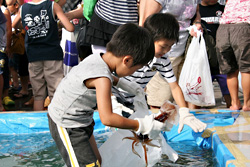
(2, 32)
(18, 64)
(88, 85)
(42, 45)
(211, 11)
(165, 31)
(5, 53)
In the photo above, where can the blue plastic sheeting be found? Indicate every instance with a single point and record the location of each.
(224, 118)
(221, 152)
(211, 119)
(26, 123)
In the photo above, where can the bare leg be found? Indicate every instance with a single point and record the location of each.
(38, 105)
(233, 87)
(245, 82)
(24, 84)
(95, 149)
(228, 100)
(30, 102)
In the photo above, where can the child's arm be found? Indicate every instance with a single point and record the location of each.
(61, 2)
(62, 17)
(8, 31)
(185, 116)
(103, 96)
(177, 94)
(75, 14)
(17, 20)
(146, 8)
(146, 125)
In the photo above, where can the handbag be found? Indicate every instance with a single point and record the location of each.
(17, 42)
(195, 78)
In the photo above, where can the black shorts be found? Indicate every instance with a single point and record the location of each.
(233, 47)
(73, 144)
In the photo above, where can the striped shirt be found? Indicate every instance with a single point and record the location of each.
(117, 12)
(144, 75)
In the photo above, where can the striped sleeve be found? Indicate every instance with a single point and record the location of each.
(164, 66)
(117, 12)
(144, 75)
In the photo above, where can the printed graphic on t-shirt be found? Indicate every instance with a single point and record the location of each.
(213, 19)
(37, 26)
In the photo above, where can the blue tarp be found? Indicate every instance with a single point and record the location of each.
(37, 122)
(26, 123)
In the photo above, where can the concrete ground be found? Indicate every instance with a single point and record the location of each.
(19, 102)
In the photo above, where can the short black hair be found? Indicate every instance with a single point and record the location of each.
(162, 26)
(130, 39)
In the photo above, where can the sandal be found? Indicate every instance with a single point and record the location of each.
(20, 95)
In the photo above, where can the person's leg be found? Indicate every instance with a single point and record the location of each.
(222, 80)
(14, 75)
(38, 84)
(24, 76)
(245, 82)
(232, 83)
(53, 74)
(6, 78)
(38, 105)
(14, 67)
(95, 149)
(1, 92)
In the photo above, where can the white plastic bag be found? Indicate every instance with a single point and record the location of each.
(117, 151)
(70, 53)
(195, 78)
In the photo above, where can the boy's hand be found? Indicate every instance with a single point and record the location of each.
(149, 126)
(130, 87)
(190, 120)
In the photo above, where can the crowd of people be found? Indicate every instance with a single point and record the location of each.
(138, 46)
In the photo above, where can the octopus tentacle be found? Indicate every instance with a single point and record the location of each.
(133, 149)
(145, 154)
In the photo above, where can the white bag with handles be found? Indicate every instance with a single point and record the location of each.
(195, 78)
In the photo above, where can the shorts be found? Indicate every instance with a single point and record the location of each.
(222, 80)
(45, 77)
(73, 144)
(233, 47)
(158, 90)
(5, 70)
(14, 61)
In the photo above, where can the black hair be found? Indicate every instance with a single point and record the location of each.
(130, 39)
(162, 26)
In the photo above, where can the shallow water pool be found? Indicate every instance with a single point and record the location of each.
(39, 150)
